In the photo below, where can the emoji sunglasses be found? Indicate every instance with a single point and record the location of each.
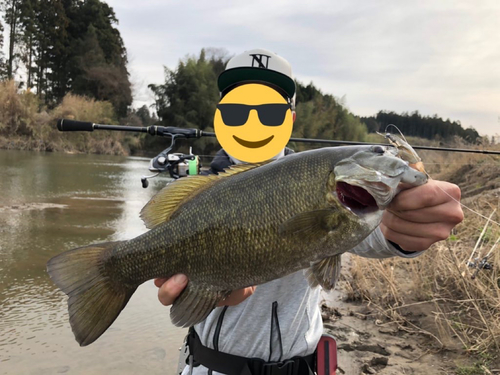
(269, 114)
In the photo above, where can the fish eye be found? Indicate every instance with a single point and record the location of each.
(378, 149)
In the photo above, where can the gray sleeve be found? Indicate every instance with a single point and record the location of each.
(376, 246)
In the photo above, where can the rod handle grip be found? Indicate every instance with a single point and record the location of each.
(64, 125)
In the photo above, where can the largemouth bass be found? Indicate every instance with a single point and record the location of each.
(244, 227)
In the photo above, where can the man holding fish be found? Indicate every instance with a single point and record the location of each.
(259, 219)
(279, 322)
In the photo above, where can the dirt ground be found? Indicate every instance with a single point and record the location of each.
(369, 344)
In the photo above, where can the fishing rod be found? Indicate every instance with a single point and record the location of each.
(179, 165)
(176, 164)
(168, 131)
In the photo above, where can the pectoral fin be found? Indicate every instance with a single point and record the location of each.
(194, 304)
(310, 224)
(325, 273)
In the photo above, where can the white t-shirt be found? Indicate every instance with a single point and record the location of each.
(246, 328)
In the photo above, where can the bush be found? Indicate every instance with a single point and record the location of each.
(25, 125)
(18, 111)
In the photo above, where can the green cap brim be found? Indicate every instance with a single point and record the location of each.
(232, 77)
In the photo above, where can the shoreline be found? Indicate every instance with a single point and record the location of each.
(29, 144)
(369, 343)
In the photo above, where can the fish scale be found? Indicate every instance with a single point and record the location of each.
(245, 227)
(231, 228)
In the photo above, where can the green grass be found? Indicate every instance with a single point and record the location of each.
(469, 370)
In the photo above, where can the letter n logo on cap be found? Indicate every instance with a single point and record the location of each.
(260, 61)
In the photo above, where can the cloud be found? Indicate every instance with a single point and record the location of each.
(436, 56)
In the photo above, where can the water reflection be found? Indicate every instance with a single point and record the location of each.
(51, 203)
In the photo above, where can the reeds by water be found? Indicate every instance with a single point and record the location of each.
(26, 124)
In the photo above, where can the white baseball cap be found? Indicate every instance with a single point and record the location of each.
(258, 65)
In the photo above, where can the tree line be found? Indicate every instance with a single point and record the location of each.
(189, 96)
(414, 124)
(61, 46)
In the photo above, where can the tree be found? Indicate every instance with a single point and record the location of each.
(145, 116)
(12, 17)
(305, 93)
(324, 118)
(98, 78)
(28, 38)
(51, 24)
(67, 45)
(371, 124)
(430, 127)
(3, 67)
(189, 94)
(50, 38)
(97, 66)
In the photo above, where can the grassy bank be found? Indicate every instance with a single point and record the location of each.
(25, 124)
(437, 295)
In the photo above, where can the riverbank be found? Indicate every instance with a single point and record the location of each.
(55, 143)
(369, 344)
(433, 314)
(26, 124)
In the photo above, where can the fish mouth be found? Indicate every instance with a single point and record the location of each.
(255, 144)
(355, 198)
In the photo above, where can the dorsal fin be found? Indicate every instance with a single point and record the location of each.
(161, 207)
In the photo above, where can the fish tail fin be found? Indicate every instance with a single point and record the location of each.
(95, 298)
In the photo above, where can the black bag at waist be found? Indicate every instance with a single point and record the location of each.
(235, 365)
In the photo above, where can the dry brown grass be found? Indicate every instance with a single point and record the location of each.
(17, 109)
(439, 284)
(26, 124)
(84, 109)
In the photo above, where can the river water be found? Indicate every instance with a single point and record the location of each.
(54, 202)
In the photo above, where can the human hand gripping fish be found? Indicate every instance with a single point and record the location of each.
(170, 289)
(422, 215)
(417, 218)
(245, 227)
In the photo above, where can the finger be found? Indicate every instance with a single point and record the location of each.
(159, 282)
(405, 186)
(431, 194)
(435, 230)
(171, 289)
(237, 296)
(406, 242)
(448, 212)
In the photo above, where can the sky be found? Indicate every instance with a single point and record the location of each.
(438, 57)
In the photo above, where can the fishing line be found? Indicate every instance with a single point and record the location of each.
(399, 131)
(405, 146)
(408, 154)
(470, 209)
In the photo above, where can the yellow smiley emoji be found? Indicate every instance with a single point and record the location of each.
(253, 122)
